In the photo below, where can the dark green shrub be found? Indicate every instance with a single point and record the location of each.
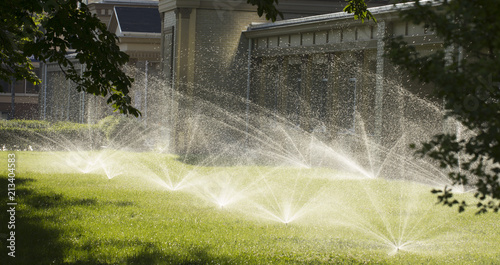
(123, 132)
(43, 135)
(115, 131)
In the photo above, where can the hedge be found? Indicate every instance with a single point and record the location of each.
(115, 131)
(43, 135)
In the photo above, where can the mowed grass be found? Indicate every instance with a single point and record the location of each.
(123, 212)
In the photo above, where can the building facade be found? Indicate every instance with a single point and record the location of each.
(19, 99)
(318, 68)
(323, 72)
(202, 40)
(214, 45)
(137, 25)
(332, 74)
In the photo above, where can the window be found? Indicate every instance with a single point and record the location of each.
(293, 90)
(271, 86)
(347, 99)
(319, 91)
(4, 87)
(137, 100)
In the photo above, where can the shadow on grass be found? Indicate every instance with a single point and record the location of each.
(38, 242)
(42, 237)
(197, 256)
(36, 239)
(34, 242)
(201, 159)
(209, 160)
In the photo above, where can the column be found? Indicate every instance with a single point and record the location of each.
(379, 80)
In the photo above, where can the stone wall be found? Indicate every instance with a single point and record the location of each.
(364, 93)
(221, 50)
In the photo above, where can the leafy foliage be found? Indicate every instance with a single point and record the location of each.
(44, 135)
(119, 126)
(268, 7)
(358, 7)
(465, 76)
(116, 131)
(49, 30)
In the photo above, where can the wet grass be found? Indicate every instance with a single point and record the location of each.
(66, 217)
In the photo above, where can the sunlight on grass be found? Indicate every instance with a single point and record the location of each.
(231, 215)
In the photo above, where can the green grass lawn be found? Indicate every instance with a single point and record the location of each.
(123, 212)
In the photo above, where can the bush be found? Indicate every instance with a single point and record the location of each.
(115, 131)
(28, 124)
(123, 132)
(43, 135)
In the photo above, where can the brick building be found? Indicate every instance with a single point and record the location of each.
(319, 68)
(23, 103)
(137, 26)
(207, 43)
(335, 66)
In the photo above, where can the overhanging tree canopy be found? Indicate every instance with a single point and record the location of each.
(465, 75)
(269, 7)
(48, 30)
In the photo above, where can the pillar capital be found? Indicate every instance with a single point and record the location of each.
(221, 5)
(172, 5)
(183, 13)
